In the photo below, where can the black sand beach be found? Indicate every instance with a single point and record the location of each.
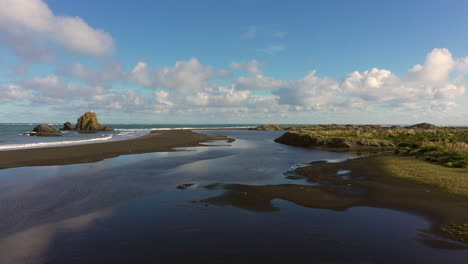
(158, 141)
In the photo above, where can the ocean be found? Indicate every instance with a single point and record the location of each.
(12, 134)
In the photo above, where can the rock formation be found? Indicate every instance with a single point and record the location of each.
(67, 126)
(45, 129)
(423, 126)
(89, 122)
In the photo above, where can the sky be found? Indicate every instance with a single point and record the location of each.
(207, 61)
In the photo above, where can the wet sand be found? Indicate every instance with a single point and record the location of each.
(160, 141)
(363, 183)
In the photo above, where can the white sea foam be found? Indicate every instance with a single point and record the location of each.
(53, 144)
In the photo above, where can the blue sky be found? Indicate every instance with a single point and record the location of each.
(234, 61)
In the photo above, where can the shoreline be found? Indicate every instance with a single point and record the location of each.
(157, 141)
(108, 138)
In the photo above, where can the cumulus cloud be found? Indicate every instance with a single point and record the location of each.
(133, 101)
(125, 100)
(34, 21)
(439, 64)
(50, 89)
(256, 80)
(219, 96)
(443, 106)
(13, 93)
(187, 76)
(190, 86)
(141, 75)
(462, 65)
(266, 104)
(311, 93)
(27, 51)
(430, 81)
(109, 73)
(162, 97)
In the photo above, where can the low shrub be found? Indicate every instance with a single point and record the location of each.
(430, 149)
(411, 145)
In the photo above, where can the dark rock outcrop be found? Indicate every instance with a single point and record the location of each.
(45, 129)
(89, 122)
(423, 126)
(67, 126)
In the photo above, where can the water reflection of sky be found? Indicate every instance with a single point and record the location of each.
(130, 210)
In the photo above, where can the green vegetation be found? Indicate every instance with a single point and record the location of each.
(449, 154)
(453, 180)
(442, 146)
(456, 231)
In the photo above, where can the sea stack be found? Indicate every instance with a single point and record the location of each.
(44, 131)
(67, 126)
(89, 122)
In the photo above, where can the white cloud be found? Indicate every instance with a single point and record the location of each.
(256, 80)
(27, 51)
(192, 87)
(33, 20)
(259, 82)
(273, 49)
(109, 73)
(443, 106)
(430, 81)
(187, 76)
(311, 93)
(220, 96)
(162, 97)
(252, 66)
(51, 89)
(141, 75)
(133, 101)
(439, 64)
(122, 100)
(13, 93)
(266, 104)
(462, 65)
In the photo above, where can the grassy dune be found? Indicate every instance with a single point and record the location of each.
(438, 145)
(453, 180)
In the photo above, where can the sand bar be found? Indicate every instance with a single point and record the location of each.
(158, 141)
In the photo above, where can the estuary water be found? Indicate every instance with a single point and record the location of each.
(129, 209)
